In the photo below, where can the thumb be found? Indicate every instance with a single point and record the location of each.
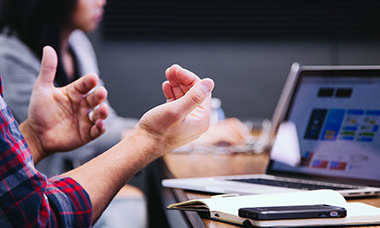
(196, 96)
(49, 64)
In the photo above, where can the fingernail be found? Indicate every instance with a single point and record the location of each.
(207, 84)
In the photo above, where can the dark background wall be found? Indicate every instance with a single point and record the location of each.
(248, 57)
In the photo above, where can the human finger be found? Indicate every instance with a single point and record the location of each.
(96, 97)
(181, 80)
(170, 72)
(97, 129)
(100, 112)
(84, 84)
(168, 91)
(196, 96)
(177, 75)
(186, 80)
(174, 82)
(48, 68)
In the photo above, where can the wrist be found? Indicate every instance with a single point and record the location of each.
(151, 146)
(33, 141)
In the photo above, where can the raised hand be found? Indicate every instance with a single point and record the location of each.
(185, 116)
(58, 118)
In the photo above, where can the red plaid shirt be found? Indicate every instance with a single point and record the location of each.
(27, 197)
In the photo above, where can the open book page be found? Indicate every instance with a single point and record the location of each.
(232, 204)
(226, 209)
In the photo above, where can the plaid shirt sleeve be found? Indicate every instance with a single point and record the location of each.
(27, 197)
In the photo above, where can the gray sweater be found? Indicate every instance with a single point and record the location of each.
(19, 67)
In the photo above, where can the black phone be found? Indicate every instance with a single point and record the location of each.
(293, 212)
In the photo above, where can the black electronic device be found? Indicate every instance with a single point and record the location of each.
(293, 212)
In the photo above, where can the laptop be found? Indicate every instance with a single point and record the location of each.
(336, 114)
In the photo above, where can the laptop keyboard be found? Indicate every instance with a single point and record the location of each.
(307, 185)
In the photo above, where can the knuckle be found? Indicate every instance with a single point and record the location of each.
(197, 98)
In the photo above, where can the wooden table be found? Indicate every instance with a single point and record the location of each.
(181, 165)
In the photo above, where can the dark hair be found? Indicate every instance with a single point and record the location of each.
(38, 23)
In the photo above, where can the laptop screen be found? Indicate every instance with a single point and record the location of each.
(337, 118)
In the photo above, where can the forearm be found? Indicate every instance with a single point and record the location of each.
(103, 176)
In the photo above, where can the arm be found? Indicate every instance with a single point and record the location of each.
(28, 198)
(58, 117)
(182, 119)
